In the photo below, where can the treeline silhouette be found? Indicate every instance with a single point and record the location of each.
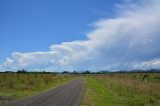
(85, 72)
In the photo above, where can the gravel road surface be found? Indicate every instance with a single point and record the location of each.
(65, 95)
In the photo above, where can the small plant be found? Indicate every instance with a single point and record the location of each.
(47, 80)
(145, 77)
(31, 82)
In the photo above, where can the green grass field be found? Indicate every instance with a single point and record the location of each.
(122, 90)
(15, 86)
(130, 89)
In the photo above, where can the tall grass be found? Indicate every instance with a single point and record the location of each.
(123, 90)
(19, 85)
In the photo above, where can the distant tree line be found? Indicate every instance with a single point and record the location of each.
(85, 72)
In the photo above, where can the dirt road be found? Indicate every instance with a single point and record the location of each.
(66, 95)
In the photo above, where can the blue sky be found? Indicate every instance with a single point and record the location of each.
(33, 25)
(79, 34)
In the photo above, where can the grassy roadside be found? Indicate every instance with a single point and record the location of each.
(95, 93)
(21, 87)
(113, 91)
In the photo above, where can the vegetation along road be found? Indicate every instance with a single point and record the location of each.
(66, 95)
